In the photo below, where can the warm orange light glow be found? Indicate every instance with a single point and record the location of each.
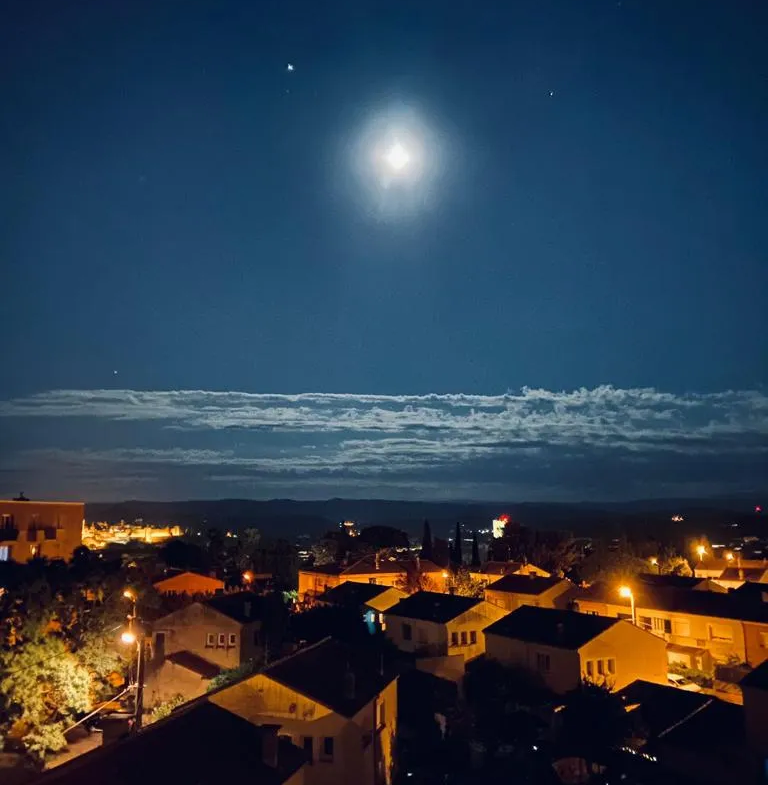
(247, 576)
(625, 591)
(445, 574)
(654, 561)
(128, 637)
(129, 595)
(729, 557)
(701, 550)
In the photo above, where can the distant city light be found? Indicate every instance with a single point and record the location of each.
(758, 508)
(677, 519)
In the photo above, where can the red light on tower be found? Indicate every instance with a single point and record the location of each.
(758, 508)
(504, 518)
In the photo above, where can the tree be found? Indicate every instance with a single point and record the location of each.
(183, 554)
(414, 579)
(456, 553)
(614, 564)
(593, 722)
(378, 538)
(475, 551)
(426, 541)
(231, 675)
(463, 584)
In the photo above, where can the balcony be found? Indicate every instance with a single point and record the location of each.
(8, 534)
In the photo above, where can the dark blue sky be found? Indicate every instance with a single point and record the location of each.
(182, 209)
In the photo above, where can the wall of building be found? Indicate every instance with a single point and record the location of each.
(49, 529)
(564, 671)
(723, 638)
(426, 636)
(169, 680)
(311, 584)
(755, 642)
(637, 655)
(262, 700)
(511, 601)
(188, 629)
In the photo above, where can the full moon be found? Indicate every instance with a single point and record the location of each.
(397, 157)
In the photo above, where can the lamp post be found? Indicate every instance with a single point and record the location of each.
(625, 591)
(700, 551)
(133, 636)
(655, 563)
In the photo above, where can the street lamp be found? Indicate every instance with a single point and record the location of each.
(132, 636)
(247, 577)
(655, 563)
(729, 556)
(700, 551)
(626, 592)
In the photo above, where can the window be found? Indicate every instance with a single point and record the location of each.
(645, 622)
(611, 665)
(210, 639)
(372, 580)
(5, 552)
(682, 627)
(542, 662)
(381, 711)
(600, 667)
(454, 639)
(473, 637)
(306, 745)
(222, 639)
(720, 632)
(407, 632)
(233, 639)
(590, 669)
(464, 638)
(327, 753)
(662, 625)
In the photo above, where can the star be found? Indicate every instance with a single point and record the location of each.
(290, 67)
(551, 93)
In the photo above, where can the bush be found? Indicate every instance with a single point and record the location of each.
(702, 678)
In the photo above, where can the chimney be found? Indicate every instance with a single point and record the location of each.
(247, 609)
(269, 742)
(349, 684)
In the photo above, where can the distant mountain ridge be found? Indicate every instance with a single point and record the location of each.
(286, 517)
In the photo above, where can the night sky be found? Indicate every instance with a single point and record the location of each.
(213, 285)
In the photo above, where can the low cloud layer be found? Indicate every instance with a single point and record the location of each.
(603, 443)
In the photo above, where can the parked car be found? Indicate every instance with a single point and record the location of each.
(676, 680)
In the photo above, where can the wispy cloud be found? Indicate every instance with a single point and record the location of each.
(501, 444)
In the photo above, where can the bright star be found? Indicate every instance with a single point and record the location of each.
(290, 67)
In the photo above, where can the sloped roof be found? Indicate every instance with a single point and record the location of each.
(757, 678)
(551, 627)
(352, 593)
(498, 568)
(170, 580)
(673, 581)
(524, 584)
(367, 565)
(200, 743)
(433, 606)
(755, 574)
(660, 706)
(698, 603)
(343, 677)
(242, 606)
(194, 663)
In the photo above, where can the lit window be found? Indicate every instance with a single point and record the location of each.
(210, 639)
(233, 639)
(222, 639)
(382, 719)
(473, 637)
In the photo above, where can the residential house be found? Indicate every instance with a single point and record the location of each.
(512, 591)
(49, 529)
(189, 583)
(734, 577)
(491, 571)
(689, 736)
(564, 647)
(680, 582)
(198, 743)
(725, 626)
(368, 599)
(436, 625)
(335, 701)
(193, 644)
(374, 569)
(720, 570)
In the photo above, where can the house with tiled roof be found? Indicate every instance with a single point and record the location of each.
(435, 625)
(370, 600)
(562, 648)
(491, 571)
(199, 743)
(376, 569)
(193, 644)
(335, 701)
(512, 591)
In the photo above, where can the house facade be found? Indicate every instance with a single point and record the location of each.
(491, 571)
(189, 583)
(512, 591)
(431, 624)
(52, 530)
(563, 648)
(333, 702)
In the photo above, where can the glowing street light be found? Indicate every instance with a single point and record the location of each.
(701, 550)
(655, 563)
(626, 593)
(729, 556)
(397, 157)
(247, 576)
(128, 637)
